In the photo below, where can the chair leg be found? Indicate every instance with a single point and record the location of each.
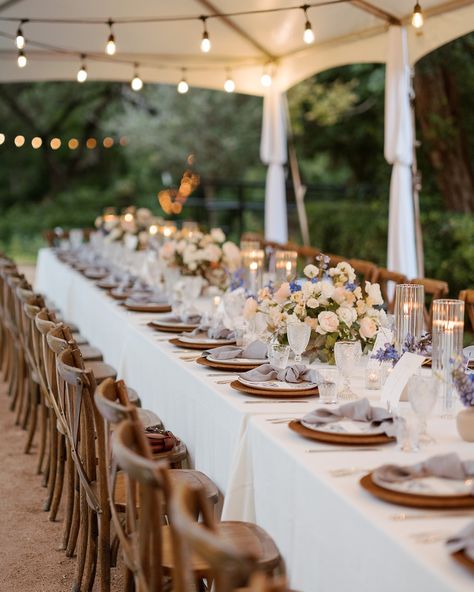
(82, 543)
(104, 551)
(26, 394)
(91, 556)
(43, 438)
(19, 390)
(128, 580)
(58, 486)
(69, 498)
(33, 415)
(52, 466)
(73, 535)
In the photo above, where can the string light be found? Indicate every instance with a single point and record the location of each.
(183, 86)
(111, 46)
(82, 73)
(20, 38)
(205, 41)
(2, 138)
(417, 19)
(36, 142)
(108, 142)
(55, 144)
(308, 35)
(91, 143)
(22, 61)
(72, 144)
(19, 141)
(137, 82)
(266, 78)
(229, 84)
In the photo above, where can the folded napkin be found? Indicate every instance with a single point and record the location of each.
(447, 466)
(463, 541)
(360, 410)
(178, 319)
(295, 373)
(257, 350)
(150, 297)
(219, 332)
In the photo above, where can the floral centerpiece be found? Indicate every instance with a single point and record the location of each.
(210, 256)
(330, 302)
(131, 223)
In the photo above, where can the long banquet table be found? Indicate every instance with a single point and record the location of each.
(332, 534)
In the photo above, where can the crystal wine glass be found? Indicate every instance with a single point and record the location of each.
(347, 354)
(298, 338)
(423, 394)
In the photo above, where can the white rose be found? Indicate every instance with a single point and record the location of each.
(250, 309)
(311, 271)
(312, 303)
(327, 290)
(308, 289)
(328, 322)
(368, 328)
(217, 235)
(374, 296)
(347, 315)
(231, 255)
(361, 307)
(211, 253)
(339, 295)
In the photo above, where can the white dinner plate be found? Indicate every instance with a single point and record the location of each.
(430, 486)
(278, 385)
(171, 321)
(205, 340)
(348, 427)
(238, 361)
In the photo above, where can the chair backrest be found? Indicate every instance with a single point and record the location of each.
(45, 321)
(229, 567)
(468, 297)
(85, 428)
(148, 484)
(385, 278)
(365, 270)
(434, 289)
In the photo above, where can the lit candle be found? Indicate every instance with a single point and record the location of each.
(373, 378)
(153, 229)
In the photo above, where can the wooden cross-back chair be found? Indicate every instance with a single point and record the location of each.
(6, 268)
(86, 444)
(468, 297)
(131, 454)
(434, 290)
(386, 278)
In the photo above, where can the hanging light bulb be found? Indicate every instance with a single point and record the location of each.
(137, 82)
(308, 35)
(183, 86)
(20, 38)
(110, 47)
(229, 84)
(82, 73)
(266, 78)
(205, 41)
(417, 19)
(22, 61)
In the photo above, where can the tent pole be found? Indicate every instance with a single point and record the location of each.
(416, 180)
(298, 187)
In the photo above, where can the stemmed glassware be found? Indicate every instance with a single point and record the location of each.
(298, 338)
(423, 395)
(347, 354)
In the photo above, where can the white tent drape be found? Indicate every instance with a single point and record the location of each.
(273, 152)
(401, 255)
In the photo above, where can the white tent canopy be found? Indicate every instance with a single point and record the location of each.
(167, 47)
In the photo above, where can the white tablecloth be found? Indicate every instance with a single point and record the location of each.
(333, 535)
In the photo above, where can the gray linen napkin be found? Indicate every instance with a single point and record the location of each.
(149, 297)
(463, 541)
(219, 332)
(360, 410)
(295, 373)
(257, 350)
(190, 320)
(447, 466)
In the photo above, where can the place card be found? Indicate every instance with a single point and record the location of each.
(398, 378)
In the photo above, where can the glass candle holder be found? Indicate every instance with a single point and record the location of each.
(373, 378)
(189, 227)
(253, 268)
(249, 245)
(285, 266)
(448, 328)
(409, 306)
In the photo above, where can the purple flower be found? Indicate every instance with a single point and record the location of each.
(464, 383)
(387, 354)
(351, 286)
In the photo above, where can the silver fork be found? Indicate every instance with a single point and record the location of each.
(349, 471)
(402, 516)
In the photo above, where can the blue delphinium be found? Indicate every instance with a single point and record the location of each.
(387, 353)
(464, 383)
(295, 287)
(236, 280)
(351, 286)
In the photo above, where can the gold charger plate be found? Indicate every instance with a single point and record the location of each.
(199, 346)
(271, 394)
(148, 308)
(169, 328)
(220, 366)
(332, 438)
(106, 285)
(412, 500)
(463, 560)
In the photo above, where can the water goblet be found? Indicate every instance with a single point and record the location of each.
(278, 354)
(347, 354)
(423, 394)
(298, 337)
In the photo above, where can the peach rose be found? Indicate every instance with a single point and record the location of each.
(368, 328)
(283, 293)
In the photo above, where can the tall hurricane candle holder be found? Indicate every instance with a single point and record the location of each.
(448, 328)
(409, 305)
(285, 266)
(253, 267)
